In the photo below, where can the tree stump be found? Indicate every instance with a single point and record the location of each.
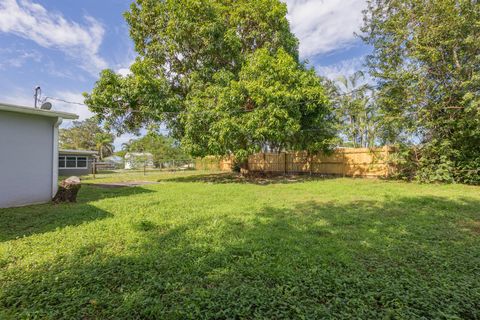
(67, 191)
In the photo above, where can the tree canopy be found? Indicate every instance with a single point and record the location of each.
(273, 105)
(356, 110)
(223, 75)
(87, 135)
(426, 59)
(161, 147)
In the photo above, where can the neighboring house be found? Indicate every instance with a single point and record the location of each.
(75, 162)
(136, 160)
(28, 154)
(114, 162)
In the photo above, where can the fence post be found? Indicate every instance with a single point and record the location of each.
(94, 167)
(309, 159)
(264, 162)
(385, 161)
(285, 163)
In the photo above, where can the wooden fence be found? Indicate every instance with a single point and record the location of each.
(351, 162)
(212, 163)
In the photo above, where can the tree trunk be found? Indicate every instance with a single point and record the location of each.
(244, 170)
(68, 190)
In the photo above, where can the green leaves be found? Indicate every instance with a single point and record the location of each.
(161, 147)
(87, 135)
(223, 75)
(426, 59)
(203, 37)
(126, 104)
(357, 111)
(273, 105)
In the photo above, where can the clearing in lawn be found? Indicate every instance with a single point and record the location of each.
(216, 247)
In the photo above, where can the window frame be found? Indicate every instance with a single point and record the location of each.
(65, 167)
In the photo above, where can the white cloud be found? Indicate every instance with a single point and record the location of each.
(124, 68)
(18, 96)
(343, 68)
(32, 21)
(124, 72)
(76, 97)
(324, 25)
(16, 58)
(346, 68)
(21, 97)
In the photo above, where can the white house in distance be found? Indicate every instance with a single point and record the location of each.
(136, 160)
(28, 154)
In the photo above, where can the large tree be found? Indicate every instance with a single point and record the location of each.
(189, 52)
(427, 61)
(87, 135)
(273, 105)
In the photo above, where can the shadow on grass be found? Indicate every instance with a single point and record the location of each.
(29, 220)
(407, 258)
(260, 179)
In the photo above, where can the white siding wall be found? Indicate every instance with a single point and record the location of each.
(26, 158)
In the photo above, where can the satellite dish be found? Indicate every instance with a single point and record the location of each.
(46, 106)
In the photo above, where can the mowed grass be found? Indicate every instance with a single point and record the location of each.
(150, 175)
(216, 247)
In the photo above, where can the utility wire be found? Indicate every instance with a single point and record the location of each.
(223, 112)
(65, 101)
(301, 102)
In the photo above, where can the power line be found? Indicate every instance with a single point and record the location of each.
(156, 112)
(66, 101)
(300, 102)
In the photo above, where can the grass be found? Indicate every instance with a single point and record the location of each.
(213, 246)
(138, 175)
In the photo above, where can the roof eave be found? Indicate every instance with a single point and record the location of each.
(38, 112)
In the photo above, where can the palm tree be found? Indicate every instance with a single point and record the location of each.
(356, 110)
(104, 144)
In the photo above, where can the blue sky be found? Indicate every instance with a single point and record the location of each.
(62, 45)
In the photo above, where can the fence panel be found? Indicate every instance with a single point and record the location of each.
(353, 162)
(344, 161)
(366, 162)
(214, 164)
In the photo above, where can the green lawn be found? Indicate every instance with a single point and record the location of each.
(139, 175)
(217, 247)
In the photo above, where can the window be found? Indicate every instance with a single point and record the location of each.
(61, 162)
(72, 162)
(81, 162)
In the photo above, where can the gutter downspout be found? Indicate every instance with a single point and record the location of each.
(55, 157)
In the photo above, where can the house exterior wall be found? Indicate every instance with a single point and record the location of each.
(74, 172)
(66, 172)
(27, 146)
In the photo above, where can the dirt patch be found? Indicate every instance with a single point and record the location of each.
(252, 178)
(123, 184)
(473, 226)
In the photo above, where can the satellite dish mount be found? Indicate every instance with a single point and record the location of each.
(46, 106)
(36, 95)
